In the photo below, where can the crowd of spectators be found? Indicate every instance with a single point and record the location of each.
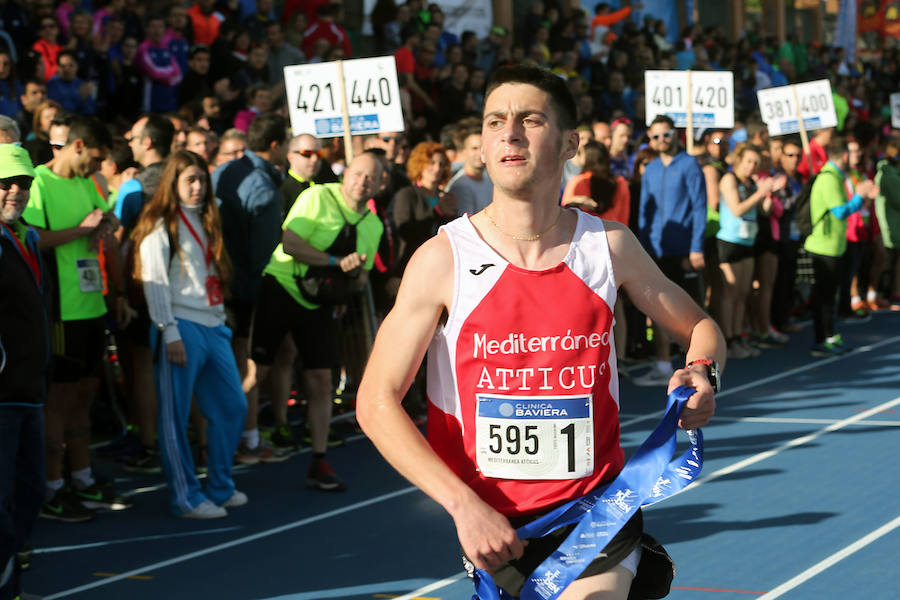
(120, 99)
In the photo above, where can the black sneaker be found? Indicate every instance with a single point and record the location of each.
(146, 461)
(23, 557)
(102, 496)
(282, 438)
(322, 477)
(64, 506)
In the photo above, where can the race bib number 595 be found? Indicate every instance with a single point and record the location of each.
(527, 437)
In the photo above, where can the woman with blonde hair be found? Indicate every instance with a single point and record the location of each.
(182, 263)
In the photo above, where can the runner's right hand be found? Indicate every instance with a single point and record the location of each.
(486, 536)
(92, 219)
(176, 353)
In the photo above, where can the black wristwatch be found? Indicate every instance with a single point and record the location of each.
(712, 372)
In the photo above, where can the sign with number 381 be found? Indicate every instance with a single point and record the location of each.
(372, 93)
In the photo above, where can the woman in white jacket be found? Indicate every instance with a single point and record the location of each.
(182, 263)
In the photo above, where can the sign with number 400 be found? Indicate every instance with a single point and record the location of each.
(779, 106)
(373, 97)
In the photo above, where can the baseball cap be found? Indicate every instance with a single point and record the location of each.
(14, 161)
(498, 30)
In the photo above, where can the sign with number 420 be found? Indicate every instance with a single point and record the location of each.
(372, 94)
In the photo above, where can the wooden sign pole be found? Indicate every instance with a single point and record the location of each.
(690, 116)
(345, 115)
(803, 137)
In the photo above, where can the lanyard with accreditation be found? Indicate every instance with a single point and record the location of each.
(646, 479)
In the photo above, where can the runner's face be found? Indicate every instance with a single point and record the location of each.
(361, 179)
(14, 192)
(191, 186)
(522, 144)
(747, 165)
(304, 158)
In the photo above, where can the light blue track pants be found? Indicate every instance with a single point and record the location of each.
(210, 376)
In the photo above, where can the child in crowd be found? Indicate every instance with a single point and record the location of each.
(184, 268)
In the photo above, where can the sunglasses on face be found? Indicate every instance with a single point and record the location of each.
(308, 153)
(668, 135)
(23, 181)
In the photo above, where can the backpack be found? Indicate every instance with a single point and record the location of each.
(802, 215)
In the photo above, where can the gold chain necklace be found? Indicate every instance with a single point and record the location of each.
(523, 238)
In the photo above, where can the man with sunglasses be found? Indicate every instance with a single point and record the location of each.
(304, 156)
(250, 208)
(671, 226)
(72, 219)
(24, 358)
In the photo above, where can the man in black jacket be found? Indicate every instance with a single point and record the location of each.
(24, 356)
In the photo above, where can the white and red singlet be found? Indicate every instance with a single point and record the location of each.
(522, 385)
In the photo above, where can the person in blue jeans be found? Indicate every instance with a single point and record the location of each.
(182, 263)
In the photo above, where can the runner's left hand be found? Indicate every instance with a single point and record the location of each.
(701, 406)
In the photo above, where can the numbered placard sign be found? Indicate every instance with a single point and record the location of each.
(778, 107)
(373, 97)
(895, 110)
(712, 97)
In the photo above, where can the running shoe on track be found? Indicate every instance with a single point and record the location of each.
(322, 477)
(282, 438)
(147, 461)
(101, 495)
(205, 510)
(262, 453)
(65, 506)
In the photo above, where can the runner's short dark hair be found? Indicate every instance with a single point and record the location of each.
(264, 130)
(89, 130)
(560, 97)
(160, 131)
(662, 119)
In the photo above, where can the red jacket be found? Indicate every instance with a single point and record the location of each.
(206, 27)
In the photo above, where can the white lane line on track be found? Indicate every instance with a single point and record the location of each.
(755, 384)
(146, 538)
(737, 466)
(237, 542)
(799, 421)
(790, 444)
(433, 586)
(833, 426)
(355, 590)
(831, 560)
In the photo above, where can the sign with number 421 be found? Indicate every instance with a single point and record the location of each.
(373, 97)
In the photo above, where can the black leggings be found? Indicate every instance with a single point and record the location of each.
(827, 271)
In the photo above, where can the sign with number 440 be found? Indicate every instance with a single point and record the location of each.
(373, 97)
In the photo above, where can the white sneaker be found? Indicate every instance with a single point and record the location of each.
(237, 499)
(779, 337)
(737, 350)
(206, 510)
(653, 377)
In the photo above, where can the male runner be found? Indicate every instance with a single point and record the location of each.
(517, 302)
